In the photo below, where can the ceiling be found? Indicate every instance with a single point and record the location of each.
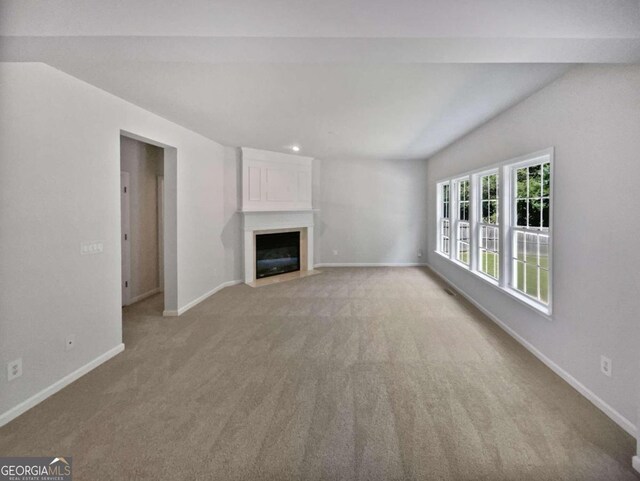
(341, 78)
(378, 111)
(324, 18)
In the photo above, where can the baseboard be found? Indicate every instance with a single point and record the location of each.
(370, 264)
(142, 297)
(618, 418)
(636, 463)
(197, 301)
(24, 406)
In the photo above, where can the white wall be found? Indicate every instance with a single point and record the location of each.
(592, 118)
(59, 186)
(371, 212)
(144, 164)
(232, 232)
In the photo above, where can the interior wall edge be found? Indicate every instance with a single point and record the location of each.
(195, 302)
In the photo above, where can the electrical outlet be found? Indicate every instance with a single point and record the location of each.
(70, 343)
(605, 366)
(14, 369)
(335, 252)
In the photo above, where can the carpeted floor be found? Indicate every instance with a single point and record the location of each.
(367, 374)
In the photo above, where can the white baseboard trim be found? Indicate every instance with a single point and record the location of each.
(368, 264)
(141, 297)
(636, 463)
(24, 406)
(197, 301)
(618, 418)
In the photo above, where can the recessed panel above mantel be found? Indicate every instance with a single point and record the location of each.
(272, 181)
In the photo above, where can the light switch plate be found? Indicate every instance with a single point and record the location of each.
(92, 247)
(605, 366)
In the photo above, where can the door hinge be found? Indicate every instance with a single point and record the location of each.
(125, 237)
(126, 283)
(125, 190)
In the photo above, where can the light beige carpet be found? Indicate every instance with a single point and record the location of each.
(367, 374)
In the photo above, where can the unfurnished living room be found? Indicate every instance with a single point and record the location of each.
(319, 240)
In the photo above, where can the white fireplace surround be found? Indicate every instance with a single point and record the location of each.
(276, 196)
(258, 222)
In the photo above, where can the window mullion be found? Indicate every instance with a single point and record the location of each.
(441, 199)
(453, 219)
(506, 219)
(474, 232)
(538, 268)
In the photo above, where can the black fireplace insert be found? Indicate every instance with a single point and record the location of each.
(277, 253)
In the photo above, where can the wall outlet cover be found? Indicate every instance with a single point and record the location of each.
(605, 366)
(14, 369)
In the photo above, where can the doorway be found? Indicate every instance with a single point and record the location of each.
(142, 210)
(125, 228)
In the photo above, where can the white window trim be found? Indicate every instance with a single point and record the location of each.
(440, 217)
(454, 208)
(511, 172)
(506, 223)
(478, 224)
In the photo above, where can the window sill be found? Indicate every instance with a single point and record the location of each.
(542, 310)
(466, 267)
(487, 278)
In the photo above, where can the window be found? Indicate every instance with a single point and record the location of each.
(443, 223)
(508, 242)
(489, 251)
(530, 233)
(462, 224)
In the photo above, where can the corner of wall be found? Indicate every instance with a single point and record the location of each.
(232, 229)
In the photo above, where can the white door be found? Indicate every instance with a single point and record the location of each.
(125, 237)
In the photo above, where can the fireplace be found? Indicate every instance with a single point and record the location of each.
(277, 253)
(257, 225)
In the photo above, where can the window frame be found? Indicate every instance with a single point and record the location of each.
(455, 188)
(480, 224)
(441, 218)
(514, 227)
(507, 224)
